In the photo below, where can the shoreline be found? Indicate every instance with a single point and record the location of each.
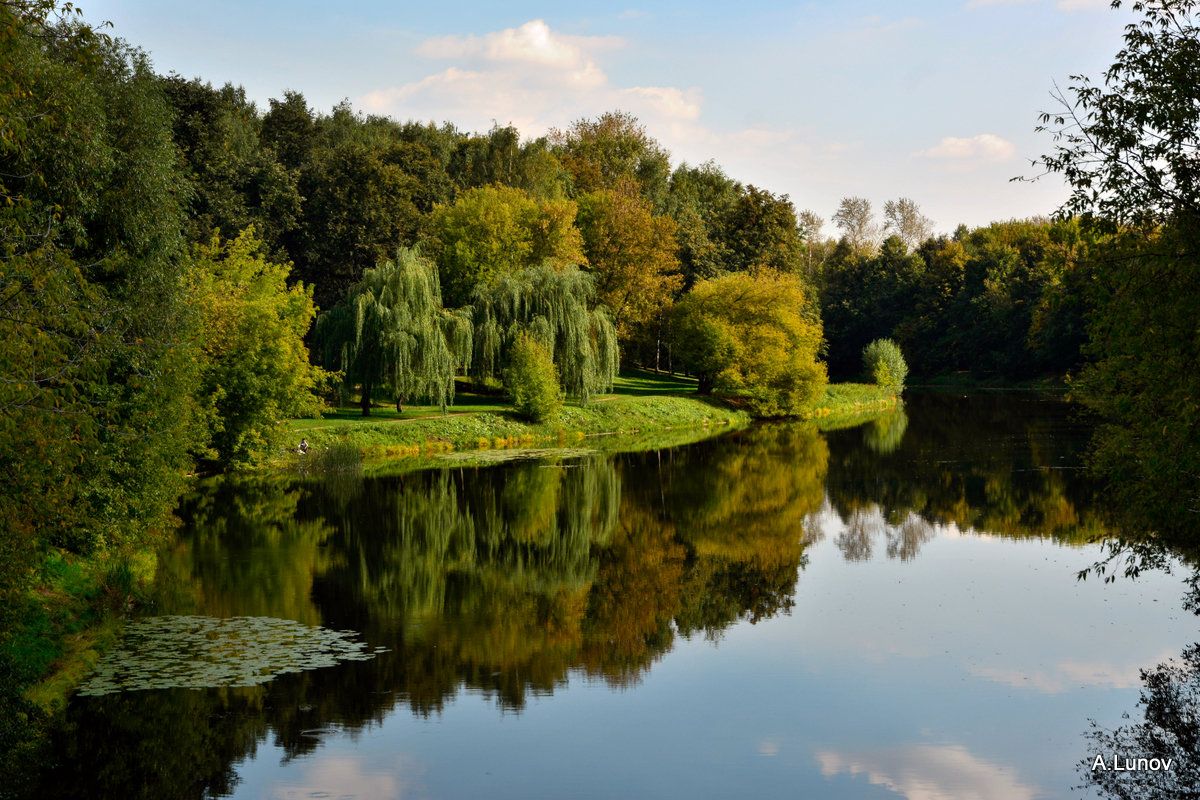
(629, 422)
(843, 405)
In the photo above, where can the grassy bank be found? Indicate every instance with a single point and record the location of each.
(642, 404)
(501, 428)
(71, 616)
(848, 404)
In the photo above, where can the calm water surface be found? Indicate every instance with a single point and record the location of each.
(886, 611)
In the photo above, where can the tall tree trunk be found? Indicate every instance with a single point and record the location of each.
(399, 407)
(366, 398)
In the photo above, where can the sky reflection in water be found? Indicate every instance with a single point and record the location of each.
(945, 677)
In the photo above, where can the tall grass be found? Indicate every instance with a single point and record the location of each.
(337, 457)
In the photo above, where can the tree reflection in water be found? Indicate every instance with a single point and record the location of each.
(1149, 531)
(509, 580)
(1008, 466)
(1169, 729)
(502, 581)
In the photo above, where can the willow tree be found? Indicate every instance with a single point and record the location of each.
(557, 307)
(391, 330)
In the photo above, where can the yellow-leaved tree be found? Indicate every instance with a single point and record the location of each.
(748, 335)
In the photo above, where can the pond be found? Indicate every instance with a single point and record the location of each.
(886, 611)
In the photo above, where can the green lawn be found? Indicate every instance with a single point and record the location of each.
(644, 382)
(631, 383)
(641, 402)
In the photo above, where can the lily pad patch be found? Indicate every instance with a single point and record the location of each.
(195, 652)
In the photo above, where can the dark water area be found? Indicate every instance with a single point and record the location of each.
(886, 611)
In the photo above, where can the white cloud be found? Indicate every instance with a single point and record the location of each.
(1071, 674)
(534, 42)
(533, 77)
(930, 772)
(986, 147)
(533, 46)
(538, 78)
(875, 24)
(667, 101)
(348, 776)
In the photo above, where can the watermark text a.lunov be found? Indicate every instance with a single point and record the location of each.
(1117, 763)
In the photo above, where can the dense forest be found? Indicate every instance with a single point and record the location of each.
(180, 269)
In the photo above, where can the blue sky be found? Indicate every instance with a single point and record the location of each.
(936, 101)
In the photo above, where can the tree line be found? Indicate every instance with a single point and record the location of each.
(166, 246)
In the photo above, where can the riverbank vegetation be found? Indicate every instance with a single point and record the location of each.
(641, 404)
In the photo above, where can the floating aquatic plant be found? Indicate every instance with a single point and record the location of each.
(194, 652)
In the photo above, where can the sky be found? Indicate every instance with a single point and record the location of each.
(935, 100)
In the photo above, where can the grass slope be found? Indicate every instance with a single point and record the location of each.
(642, 403)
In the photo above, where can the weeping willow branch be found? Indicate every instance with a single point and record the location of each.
(555, 306)
(391, 328)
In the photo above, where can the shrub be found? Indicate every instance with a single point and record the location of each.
(532, 380)
(884, 363)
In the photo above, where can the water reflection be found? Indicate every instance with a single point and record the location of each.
(931, 772)
(1157, 757)
(516, 580)
(1005, 465)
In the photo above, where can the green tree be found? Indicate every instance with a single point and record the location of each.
(761, 232)
(93, 269)
(532, 381)
(499, 157)
(558, 307)
(236, 181)
(613, 151)
(391, 329)
(885, 365)
(747, 334)
(289, 128)
(866, 298)
(361, 202)
(255, 370)
(699, 201)
(498, 230)
(1130, 149)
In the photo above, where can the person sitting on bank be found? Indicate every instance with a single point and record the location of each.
(303, 447)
